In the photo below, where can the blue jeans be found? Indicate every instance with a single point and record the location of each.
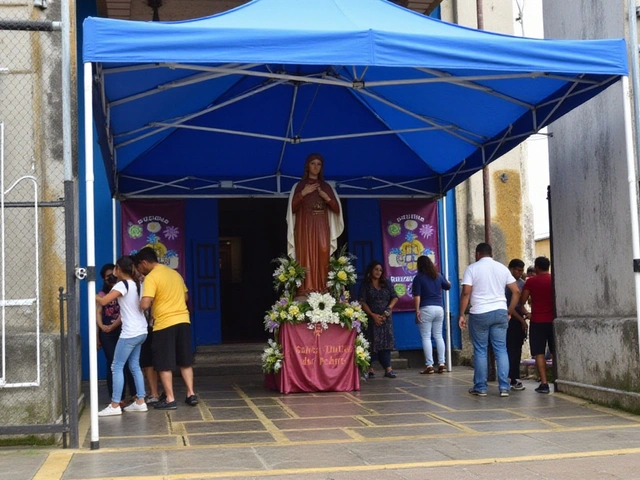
(485, 328)
(127, 349)
(109, 342)
(431, 320)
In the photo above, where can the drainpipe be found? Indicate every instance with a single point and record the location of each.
(70, 221)
(486, 185)
(486, 195)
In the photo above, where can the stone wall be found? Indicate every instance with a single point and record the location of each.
(596, 326)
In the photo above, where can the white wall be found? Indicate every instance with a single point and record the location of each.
(529, 23)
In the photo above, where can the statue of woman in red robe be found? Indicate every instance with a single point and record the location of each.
(315, 222)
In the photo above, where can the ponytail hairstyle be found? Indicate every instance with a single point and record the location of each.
(127, 266)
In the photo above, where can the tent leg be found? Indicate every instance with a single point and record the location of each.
(447, 309)
(91, 253)
(633, 193)
(114, 230)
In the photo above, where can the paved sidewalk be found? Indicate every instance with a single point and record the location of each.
(412, 427)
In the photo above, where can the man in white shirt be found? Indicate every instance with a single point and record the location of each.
(483, 285)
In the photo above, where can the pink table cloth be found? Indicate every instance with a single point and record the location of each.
(316, 360)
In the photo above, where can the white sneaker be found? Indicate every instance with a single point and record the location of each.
(134, 407)
(110, 411)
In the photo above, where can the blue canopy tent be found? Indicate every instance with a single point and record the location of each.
(398, 103)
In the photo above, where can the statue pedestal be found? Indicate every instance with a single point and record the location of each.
(316, 360)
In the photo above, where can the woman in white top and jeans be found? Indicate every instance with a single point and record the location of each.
(134, 332)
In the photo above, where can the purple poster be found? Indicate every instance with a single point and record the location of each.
(409, 229)
(159, 225)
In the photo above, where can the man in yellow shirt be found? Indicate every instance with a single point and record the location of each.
(165, 293)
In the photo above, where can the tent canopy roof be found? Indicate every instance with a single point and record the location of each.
(398, 103)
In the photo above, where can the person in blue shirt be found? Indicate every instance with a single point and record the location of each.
(427, 293)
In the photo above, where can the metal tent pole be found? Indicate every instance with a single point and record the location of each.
(447, 309)
(114, 230)
(91, 253)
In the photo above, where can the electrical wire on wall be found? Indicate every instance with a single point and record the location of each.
(520, 17)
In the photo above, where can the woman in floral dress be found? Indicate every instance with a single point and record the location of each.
(378, 297)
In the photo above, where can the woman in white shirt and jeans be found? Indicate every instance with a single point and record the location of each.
(134, 332)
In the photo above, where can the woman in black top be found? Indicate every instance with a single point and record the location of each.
(378, 297)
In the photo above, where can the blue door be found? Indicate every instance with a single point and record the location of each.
(203, 276)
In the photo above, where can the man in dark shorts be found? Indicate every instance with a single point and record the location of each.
(540, 290)
(146, 363)
(165, 293)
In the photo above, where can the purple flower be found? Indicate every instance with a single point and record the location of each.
(283, 301)
(171, 233)
(426, 230)
(271, 325)
(356, 324)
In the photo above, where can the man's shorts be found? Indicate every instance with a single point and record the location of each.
(541, 335)
(146, 355)
(171, 347)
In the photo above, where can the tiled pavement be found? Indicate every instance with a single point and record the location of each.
(414, 426)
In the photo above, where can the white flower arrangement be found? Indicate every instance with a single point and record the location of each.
(284, 311)
(322, 310)
(362, 340)
(272, 357)
(362, 356)
(289, 275)
(352, 315)
(342, 274)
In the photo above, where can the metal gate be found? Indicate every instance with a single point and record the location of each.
(39, 360)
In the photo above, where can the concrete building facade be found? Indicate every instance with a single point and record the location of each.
(596, 324)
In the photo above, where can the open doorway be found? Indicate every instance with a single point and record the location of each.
(252, 233)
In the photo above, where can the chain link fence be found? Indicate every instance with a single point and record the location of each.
(33, 406)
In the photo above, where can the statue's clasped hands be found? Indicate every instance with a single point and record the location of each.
(312, 187)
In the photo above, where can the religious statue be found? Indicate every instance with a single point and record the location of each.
(314, 223)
